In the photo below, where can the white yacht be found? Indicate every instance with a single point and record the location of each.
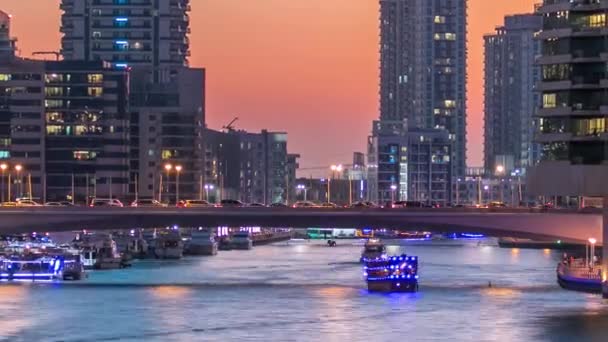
(169, 245)
(202, 242)
(241, 240)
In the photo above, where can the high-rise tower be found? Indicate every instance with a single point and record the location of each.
(128, 33)
(423, 67)
(510, 100)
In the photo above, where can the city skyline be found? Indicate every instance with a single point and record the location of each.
(217, 45)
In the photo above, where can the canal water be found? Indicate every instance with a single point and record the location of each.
(305, 291)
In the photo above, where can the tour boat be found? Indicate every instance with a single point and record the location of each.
(41, 267)
(576, 276)
(373, 249)
(201, 242)
(391, 274)
(241, 240)
(99, 252)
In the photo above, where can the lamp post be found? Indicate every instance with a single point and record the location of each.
(19, 168)
(303, 187)
(334, 169)
(393, 189)
(178, 169)
(519, 194)
(3, 167)
(500, 171)
(168, 168)
(592, 241)
(207, 188)
(457, 191)
(487, 188)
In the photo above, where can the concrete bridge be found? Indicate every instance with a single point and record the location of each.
(567, 226)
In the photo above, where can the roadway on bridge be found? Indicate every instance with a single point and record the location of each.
(555, 225)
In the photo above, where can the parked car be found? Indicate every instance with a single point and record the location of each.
(147, 203)
(305, 204)
(230, 203)
(194, 204)
(329, 205)
(278, 205)
(257, 205)
(105, 202)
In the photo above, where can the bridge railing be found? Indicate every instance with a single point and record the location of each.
(578, 269)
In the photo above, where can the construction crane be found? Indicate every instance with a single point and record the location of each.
(230, 126)
(55, 53)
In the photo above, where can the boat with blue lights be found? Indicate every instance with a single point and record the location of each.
(35, 266)
(391, 274)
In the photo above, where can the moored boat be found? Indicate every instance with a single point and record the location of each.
(576, 276)
(169, 245)
(241, 240)
(201, 242)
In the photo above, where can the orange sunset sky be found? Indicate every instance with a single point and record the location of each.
(308, 67)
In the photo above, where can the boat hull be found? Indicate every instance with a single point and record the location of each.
(580, 285)
(201, 249)
(392, 286)
(242, 245)
(169, 253)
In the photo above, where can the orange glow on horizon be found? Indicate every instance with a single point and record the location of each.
(310, 69)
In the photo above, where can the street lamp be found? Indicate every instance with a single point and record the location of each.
(3, 167)
(18, 168)
(393, 189)
(302, 187)
(178, 169)
(500, 171)
(487, 188)
(592, 241)
(168, 168)
(334, 169)
(207, 188)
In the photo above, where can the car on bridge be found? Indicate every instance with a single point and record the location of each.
(27, 203)
(147, 203)
(106, 202)
(59, 204)
(305, 204)
(230, 203)
(194, 204)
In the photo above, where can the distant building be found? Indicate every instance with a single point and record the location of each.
(409, 165)
(510, 101)
(251, 167)
(573, 117)
(423, 68)
(150, 39)
(342, 191)
(64, 129)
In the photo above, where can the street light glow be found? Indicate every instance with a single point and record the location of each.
(592, 241)
(3, 166)
(178, 168)
(168, 167)
(393, 187)
(500, 169)
(18, 167)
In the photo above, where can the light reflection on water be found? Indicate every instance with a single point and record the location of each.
(310, 292)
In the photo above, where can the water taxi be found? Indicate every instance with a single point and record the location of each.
(576, 276)
(373, 249)
(391, 274)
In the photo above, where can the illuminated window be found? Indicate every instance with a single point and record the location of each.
(85, 155)
(53, 91)
(95, 78)
(592, 126)
(95, 91)
(54, 117)
(5, 77)
(53, 78)
(166, 154)
(5, 154)
(55, 130)
(449, 104)
(549, 100)
(596, 20)
(53, 103)
(439, 19)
